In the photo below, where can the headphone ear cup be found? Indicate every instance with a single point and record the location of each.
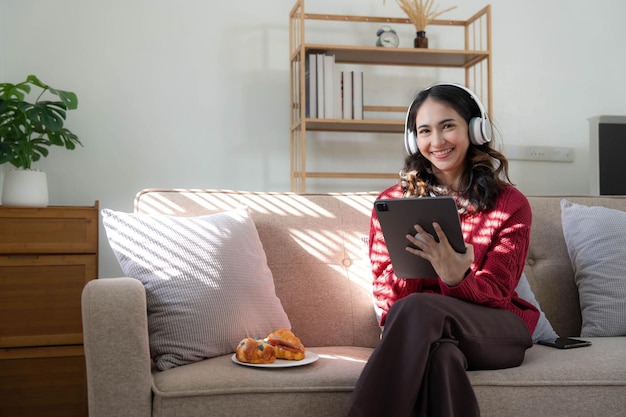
(410, 139)
(479, 131)
(410, 142)
(475, 131)
(487, 130)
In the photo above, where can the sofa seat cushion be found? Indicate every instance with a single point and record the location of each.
(547, 381)
(563, 382)
(207, 387)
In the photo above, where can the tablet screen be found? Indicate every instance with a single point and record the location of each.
(397, 218)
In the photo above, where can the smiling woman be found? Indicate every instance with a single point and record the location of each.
(443, 140)
(468, 315)
(450, 102)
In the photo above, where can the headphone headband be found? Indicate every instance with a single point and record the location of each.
(483, 113)
(480, 131)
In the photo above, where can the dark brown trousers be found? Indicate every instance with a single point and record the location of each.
(429, 341)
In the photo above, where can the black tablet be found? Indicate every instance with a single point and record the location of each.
(398, 216)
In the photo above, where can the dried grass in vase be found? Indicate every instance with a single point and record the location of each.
(420, 12)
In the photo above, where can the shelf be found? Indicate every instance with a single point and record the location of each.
(372, 55)
(350, 125)
(354, 175)
(473, 61)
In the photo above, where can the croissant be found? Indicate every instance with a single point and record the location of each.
(287, 345)
(251, 350)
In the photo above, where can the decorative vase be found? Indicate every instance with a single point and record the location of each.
(25, 188)
(421, 41)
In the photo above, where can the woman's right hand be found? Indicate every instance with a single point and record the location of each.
(450, 265)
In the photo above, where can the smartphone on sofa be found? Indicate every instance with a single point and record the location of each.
(564, 343)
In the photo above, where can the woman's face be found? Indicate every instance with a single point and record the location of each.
(443, 139)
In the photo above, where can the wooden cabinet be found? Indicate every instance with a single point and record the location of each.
(47, 255)
(474, 60)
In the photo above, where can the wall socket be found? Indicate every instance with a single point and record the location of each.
(539, 153)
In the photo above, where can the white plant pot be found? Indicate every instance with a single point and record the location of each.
(25, 188)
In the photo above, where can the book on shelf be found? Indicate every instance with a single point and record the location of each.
(332, 93)
(352, 95)
(320, 86)
(311, 85)
(338, 94)
(347, 94)
(329, 87)
(357, 95)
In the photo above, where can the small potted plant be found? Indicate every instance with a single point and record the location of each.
(27, 130)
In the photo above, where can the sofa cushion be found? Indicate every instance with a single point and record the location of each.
(227, 389)
(557, 382)
(596, 243)
(206, 278)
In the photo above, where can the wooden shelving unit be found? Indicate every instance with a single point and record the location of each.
(474, 60)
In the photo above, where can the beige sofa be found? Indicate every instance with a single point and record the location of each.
(324, 288)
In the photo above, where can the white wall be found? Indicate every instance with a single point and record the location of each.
(195, 93)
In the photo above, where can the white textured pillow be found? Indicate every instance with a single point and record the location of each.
(206, 278)
(596, 242)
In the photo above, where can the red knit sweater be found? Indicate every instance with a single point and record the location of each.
(500, 238)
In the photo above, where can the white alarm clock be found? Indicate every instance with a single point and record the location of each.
(387, 37)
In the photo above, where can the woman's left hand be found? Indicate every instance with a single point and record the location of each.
(451, 266)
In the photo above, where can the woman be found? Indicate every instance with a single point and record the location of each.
(470, 316)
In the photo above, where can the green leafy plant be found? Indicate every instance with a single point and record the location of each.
(28, 129)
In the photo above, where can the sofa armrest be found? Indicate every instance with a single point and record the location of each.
(117, 353)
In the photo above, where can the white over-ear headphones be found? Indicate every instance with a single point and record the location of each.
(480, 131)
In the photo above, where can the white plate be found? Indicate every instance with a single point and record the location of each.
(309, 357)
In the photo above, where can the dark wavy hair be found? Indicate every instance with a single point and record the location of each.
(486, 171)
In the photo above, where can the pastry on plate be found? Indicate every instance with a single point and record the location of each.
(251, 350)
(287, 345)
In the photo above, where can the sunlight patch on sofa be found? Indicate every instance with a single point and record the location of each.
(321, 244)
(342, 358)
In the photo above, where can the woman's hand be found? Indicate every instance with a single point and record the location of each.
(450, 265)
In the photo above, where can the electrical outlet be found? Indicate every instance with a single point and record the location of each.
(538, 153)
(563, 154)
